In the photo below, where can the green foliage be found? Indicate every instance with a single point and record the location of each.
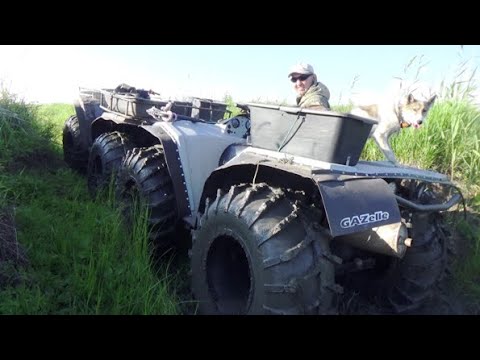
(232, 109)
(55, 114)
(81, 259)
(346, 108)
(467, 263)
(449, 142)
(21, 136)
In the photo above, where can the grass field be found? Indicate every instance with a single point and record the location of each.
(80, 259)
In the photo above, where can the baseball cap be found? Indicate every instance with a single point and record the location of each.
(301, 68)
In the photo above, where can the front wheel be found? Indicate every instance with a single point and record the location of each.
(255, 252)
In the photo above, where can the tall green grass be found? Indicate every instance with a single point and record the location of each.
(448, 142)
(20, 135)
(54, 115)
(81, 258)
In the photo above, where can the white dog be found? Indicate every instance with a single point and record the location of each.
(393, 116)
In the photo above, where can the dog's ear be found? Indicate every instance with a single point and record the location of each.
(430, 101)
(410, 99)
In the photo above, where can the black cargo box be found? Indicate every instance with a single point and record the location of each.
(320, 135)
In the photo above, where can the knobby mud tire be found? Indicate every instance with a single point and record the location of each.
(106, 156)
(413, 280)
(144, 176)
(74, 154)
(256, 252)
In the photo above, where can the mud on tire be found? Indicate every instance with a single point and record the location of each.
(74, 154)
(106, 155)
(253, 253)
(144, 176)
(411, 281)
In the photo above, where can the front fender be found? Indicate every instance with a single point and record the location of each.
(352, 203)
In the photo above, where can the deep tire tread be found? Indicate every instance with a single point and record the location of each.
(420, 271)
(144, 166)
(306, 288)
(110, 149)
(263, 208)
(74, 154)
(280, 226)
(289, 254)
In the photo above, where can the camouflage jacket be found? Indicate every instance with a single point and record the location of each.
(317, 95)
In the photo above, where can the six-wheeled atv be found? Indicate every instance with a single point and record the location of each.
(282, 213)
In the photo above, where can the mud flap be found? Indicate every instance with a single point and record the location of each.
(358, 204)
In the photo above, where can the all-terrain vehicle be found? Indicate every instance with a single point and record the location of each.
(283, 215)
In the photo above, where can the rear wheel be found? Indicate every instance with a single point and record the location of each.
(105, 158)
(74, 154)
(256, 252)
(144, 177)
(410, 282)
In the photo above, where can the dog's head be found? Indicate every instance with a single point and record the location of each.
(414, 111)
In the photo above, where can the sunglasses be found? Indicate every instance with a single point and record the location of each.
(301, 78)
